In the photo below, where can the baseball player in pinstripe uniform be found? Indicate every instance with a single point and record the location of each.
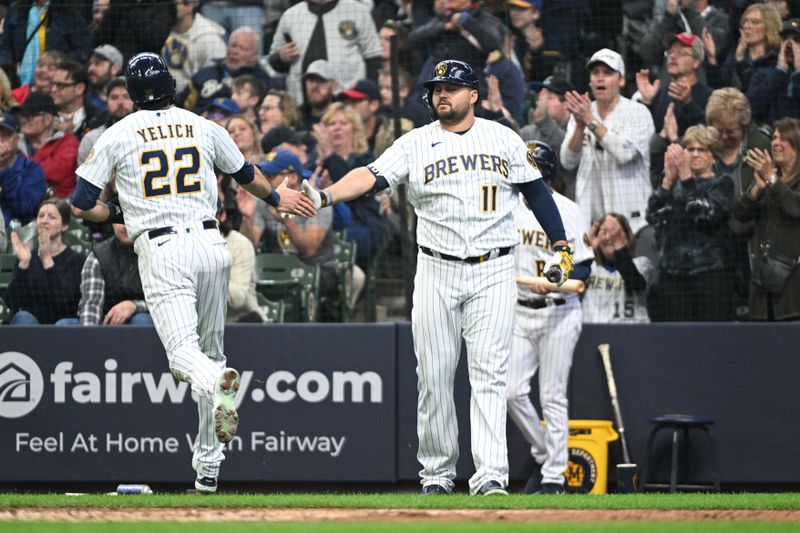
(164, 160)
(464, 175)
(545, 333)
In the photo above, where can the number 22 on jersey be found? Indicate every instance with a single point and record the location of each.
(157, 180)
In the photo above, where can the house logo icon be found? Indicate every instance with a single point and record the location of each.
(21, 385)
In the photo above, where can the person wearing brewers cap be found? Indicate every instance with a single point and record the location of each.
(105, 63)
(21, 180)
(608, 141)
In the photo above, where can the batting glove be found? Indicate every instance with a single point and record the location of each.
(320, 198)
(559, 267)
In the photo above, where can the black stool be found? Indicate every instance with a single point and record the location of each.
(680, 426)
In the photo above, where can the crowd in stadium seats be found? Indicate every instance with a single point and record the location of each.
(676, 122)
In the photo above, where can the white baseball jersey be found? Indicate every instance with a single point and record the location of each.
(544, 340)
(350, 38)
(534, 249)
(613, 174)
(186, 53)
(164, 162)
(461, 185)
(606, 299)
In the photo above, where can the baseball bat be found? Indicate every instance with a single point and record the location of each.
(605, 353)
(571, 285)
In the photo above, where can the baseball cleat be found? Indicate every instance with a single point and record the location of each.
(551, 488)
(434, 489)
(534, 482)
(205, 485)
(492, 488)
(226, 420)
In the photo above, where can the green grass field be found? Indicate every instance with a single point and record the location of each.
(789, 501)
(182, 504)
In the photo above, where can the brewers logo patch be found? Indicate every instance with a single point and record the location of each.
(347, 29)
(530, 157)
(90, 156)
(581, 471)
(441, 69)
(270, 156)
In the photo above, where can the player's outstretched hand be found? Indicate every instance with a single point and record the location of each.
(559, 267)
(312, 194)
(295, 202)
(320, 198)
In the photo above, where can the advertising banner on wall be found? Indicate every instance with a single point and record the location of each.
(99, 404)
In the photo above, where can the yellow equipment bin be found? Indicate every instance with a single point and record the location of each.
(587, 466)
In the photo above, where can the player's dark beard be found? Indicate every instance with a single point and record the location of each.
(453, 114)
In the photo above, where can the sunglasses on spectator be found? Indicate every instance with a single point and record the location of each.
(217, 116)
(698, 149)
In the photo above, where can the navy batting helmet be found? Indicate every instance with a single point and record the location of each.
(544, 158)
(449, 71)
(148, 78)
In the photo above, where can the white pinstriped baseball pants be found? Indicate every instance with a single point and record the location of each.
(544, 340)
(454, 299)
(185, 282)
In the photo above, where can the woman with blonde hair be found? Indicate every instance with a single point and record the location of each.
(757, 49)
(769, 213)
(690, 212)
(342, 146)
(245, 134)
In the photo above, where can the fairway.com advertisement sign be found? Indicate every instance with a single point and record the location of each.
(99, 404)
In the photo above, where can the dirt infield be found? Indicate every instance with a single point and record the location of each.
(387, 515)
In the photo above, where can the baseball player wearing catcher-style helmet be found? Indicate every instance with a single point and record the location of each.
(148, 79)
(449, 71)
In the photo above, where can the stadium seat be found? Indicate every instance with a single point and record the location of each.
(7, 264)
(273, 310)
(5, 313)
(339, 306)
(288, 279)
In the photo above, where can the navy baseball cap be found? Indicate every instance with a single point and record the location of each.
(224, 104)
(555, 85)
(281, 161)
(361, 90)
(9, 122)
(281, 133)
(36, 102)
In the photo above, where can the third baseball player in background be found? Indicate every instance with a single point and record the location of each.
(545, 333)
(464, 176)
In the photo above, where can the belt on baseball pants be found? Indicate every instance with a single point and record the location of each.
(500, 252)
(167, 230)
(541, 304)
